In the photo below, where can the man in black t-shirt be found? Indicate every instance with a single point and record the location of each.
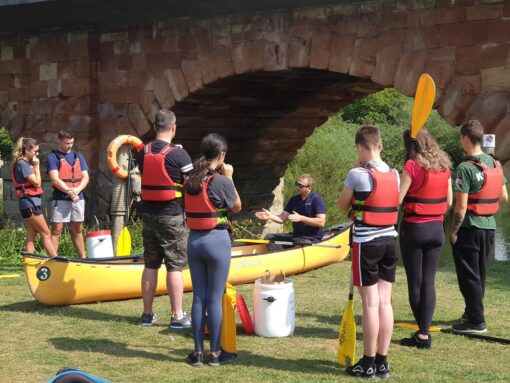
(165, 235)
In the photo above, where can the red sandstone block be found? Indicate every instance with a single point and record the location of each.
(138, 120)
(469, 33)
(276, 57)
(66, 70)
(177, 84)
(192, 74)
(39, 89)
(162, 93)
(18, 66)
(108, 63)
(436, 16)
(146, 100)
(440, 71)
(124, 62)
(484, 12)
(78, 49)
(363, 57)
(241, 65)
(298, 53)
(84, 68)
(36, 123)
(495, 55)
(44, 53)
(121, 95)
(76, 87)
(409, 69)
(506, 10)
(6, 81)
(499, 31)
(386, 64)
(398, 20)
(320, 49)
(340, 53)
(256, 54)
(21, 94)
(54, 88)
(162, 61)
(467, 59)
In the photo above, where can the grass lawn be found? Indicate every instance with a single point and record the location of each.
(105, 339)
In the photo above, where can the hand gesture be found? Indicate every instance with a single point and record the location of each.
(227, 170)
(453, 238)
(295, 217)
(35, 161)
(264, 214)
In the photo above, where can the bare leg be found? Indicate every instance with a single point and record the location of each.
(37, 223)
(385, 317)
(56, 231)
(370, 302)
(149, 284)
(175, 286)
(30, 242)
(77, 237)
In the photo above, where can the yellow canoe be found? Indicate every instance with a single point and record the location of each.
(66, 281)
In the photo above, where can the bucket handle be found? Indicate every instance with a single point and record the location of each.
(269, 299)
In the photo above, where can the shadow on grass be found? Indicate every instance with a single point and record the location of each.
(249, 359)
(330, 332)
(72, 311)
(106, 346)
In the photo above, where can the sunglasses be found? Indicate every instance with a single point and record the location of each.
(300, 186)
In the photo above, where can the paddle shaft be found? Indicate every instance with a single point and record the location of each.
(285, 243)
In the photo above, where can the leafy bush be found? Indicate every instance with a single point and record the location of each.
(6, 145)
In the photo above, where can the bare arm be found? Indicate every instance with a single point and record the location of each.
(83, 183)
(268, 216)
(405, 183)
(345, 199)
(449, 196)
(228, 171)
(35, 179)
(504, 194)
(459, 212)
(57, 183)
(318, 221)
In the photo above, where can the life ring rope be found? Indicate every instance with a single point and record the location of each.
(113, 149)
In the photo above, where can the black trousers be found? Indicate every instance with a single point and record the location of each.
(471, 254)
(421, 245)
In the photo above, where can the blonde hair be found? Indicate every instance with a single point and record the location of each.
(425, 151)
(22, 145)
(308, 179)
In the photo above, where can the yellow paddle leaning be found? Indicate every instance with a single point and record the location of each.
(124, 241)
(423, 101)
(347, 335)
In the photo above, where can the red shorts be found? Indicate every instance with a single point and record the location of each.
(374, 260)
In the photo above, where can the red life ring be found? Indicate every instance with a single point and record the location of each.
(244, 315)
(113, 148)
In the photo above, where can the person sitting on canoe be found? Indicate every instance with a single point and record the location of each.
(307, 212)
(26, 178)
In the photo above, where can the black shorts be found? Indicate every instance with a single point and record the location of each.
(165, 240)
(374, 260)
(27, 213)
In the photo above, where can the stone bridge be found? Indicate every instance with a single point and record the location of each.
(264, 75)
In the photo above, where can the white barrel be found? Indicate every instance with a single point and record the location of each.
(99, 244)
(274, 309)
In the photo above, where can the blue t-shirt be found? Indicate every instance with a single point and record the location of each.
(21, 171)
(54, 164)
(312, 205)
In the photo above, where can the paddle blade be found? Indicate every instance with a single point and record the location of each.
(246, 240)
(347, 336)
(423, 101)
(228, 325)
(124, 243)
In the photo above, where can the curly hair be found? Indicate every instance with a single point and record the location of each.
(425, 151)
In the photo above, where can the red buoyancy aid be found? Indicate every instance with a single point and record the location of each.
(381, 206)
(486, 200)
(431, 198)
(201, 214)
(70, 174)
(157, 185)
(25, 189)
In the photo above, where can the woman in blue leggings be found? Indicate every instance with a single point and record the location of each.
(209, 194)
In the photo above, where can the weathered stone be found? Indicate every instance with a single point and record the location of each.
(495, 55)
(386, 64)
(6, 53)
(363, 61)
(496, 79)
(469, 33)
(298, 53)
(177, 84)
(77, 87)
(467, 59)
(436, 16)
(498, 31)
(192, 74)
(275, 56)
(484, 12)
(319, 50)
(138, 119)
(340, 56)
(458, 98)
(146, 100)
(162, 93)
(490, 108)
(409, 69)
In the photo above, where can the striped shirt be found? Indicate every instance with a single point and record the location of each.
(359, 181)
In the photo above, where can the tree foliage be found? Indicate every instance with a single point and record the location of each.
(6, 145)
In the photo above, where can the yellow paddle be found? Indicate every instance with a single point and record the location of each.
(9, 276)
(124, 241)
(423, 101)
(347, 335)
(228, 324)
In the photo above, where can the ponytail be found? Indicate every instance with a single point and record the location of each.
(22, 145)
(211, 147)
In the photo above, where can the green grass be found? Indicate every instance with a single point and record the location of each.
(104, 338)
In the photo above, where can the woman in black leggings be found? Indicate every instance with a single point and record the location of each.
(209, 194)
(425, 191)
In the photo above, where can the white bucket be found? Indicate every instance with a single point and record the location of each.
(99, 244)
(274, 309)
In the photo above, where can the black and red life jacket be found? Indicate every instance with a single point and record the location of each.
(431, 198)
(486, 200)
(157, 185)
(70, 174)
(25, 189)
(380, 208)
(201, 214)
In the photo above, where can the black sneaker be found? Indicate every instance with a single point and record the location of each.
(148, 319)
(382, 370)
(195, 359)
(180, 323)
(414, 341)
(223, 358)
(362, 371)
(469, 328)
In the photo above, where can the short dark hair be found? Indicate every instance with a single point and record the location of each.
(163, 120)
(65, 133)
(368, 136)
(473, 129)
